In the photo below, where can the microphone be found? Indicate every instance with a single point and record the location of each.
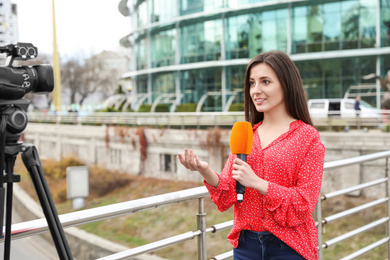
(241, 140)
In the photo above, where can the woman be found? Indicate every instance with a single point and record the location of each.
(282, 174)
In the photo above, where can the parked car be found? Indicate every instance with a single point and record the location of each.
(322, 108)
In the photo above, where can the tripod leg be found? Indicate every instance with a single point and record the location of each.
(33, 164)
(9, 178)
(8, 222)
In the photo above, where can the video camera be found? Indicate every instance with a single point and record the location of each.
(15, 82)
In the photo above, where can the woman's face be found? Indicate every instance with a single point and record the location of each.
(265, 89)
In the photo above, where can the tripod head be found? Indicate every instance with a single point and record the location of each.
(14, 112)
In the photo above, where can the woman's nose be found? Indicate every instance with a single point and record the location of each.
(257, 88)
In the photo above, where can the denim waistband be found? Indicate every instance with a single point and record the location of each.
(256, 234)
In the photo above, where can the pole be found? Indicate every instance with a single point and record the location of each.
(56, 68)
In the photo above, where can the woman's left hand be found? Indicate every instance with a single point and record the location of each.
(244, 174)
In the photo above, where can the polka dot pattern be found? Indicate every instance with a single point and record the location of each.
(293, 166)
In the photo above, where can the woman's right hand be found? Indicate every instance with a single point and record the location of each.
(191, 161)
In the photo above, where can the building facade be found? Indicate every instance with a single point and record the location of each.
(196, 51)
(8, 23)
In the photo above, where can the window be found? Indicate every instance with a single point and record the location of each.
(201, 41)
(317, 105)
(163, 48)
(168, 163)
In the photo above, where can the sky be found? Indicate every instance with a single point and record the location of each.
(83, 27)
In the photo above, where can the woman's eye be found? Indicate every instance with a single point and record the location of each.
(251, 83)
(266, 81)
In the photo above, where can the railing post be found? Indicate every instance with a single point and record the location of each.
(319, 227)
(201, 219)
(388, 205)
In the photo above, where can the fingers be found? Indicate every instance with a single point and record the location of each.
(189, 160)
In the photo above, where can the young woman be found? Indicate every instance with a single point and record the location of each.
(283, 173)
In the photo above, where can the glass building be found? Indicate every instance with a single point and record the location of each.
(196, 51)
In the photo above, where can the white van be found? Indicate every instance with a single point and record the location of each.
(322, 108)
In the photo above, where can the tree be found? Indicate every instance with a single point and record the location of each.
(95, 78)
(72, 73)
(97, 74)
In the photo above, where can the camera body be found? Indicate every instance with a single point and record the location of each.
(15, 82)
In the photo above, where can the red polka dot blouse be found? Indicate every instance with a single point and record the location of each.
(293, 166)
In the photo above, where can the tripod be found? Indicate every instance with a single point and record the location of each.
(10, 148)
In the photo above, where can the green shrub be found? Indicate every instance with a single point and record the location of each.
(236, 107)
(145, 108)
(162, 108)
(189, 107)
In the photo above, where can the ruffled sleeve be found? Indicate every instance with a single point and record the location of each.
(224, 196)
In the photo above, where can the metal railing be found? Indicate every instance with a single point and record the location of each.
(198, 119)
(175, 120)
(38, 226)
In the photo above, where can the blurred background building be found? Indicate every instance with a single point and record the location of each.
(194, 52)
(8, 22)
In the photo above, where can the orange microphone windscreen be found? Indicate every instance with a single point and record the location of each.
(241, 138)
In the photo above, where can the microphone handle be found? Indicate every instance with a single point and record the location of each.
(240, 189)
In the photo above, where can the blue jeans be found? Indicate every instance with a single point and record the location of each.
(263, 246)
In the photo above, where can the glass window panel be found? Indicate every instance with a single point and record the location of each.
(269, 29)
(281, 31)
(350, 24)
(142, 14)
(142, 84)
(385, 22)
(164, 10)
(237, 37)
(196, 83)
(367, 24)
(314, 28)
(201, 41)
(163, 48)
(235, 82)
(190, 6)
(163, 83)
(299, 29)
(332, 26)
(212, 5)
(254, 39)
(141, 55)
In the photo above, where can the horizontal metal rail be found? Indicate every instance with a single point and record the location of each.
(177, 119)
(38, 226)
(221, 226)
(354, 210)
(355, 160)
(191, 119)
(355, 232)
(353, 188)
(227, 255)
(366, 249)
(152, 246)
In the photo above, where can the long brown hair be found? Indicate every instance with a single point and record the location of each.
(294, 94)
